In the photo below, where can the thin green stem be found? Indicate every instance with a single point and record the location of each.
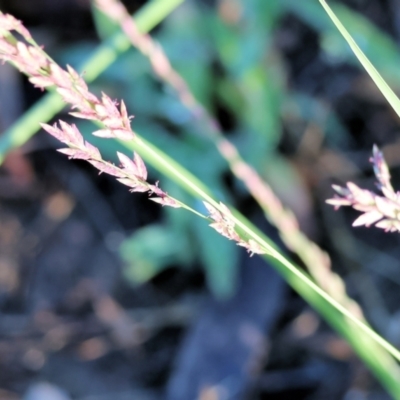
(191, 184)
(332, 310)
(390, 96)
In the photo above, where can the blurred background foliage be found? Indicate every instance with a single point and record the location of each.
(235, 64)
(286, 90)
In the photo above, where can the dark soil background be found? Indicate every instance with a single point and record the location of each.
(73, 327)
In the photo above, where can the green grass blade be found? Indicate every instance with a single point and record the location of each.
(191, 184)
(373, 73)
(46, 108)
(395, 103)
(371, 347)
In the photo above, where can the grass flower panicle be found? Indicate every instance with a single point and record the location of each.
(224, 225)
(133, 173)
(43, 72)
(383, 211)
(74, 90)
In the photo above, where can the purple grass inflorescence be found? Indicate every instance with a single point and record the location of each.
(43, 72)
(383, 211)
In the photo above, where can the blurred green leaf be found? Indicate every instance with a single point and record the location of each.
(301, 108)
(229, 95)
(152, 249)
(262, 14)
(287, 183)
(375, 43)
(385, 89)
(263, 90)
(186, 41)
(253, 68)
(105, 26)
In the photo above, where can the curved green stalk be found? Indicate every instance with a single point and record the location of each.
(390, 96)
(385, 89)
(45, 109)
(371, 347)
